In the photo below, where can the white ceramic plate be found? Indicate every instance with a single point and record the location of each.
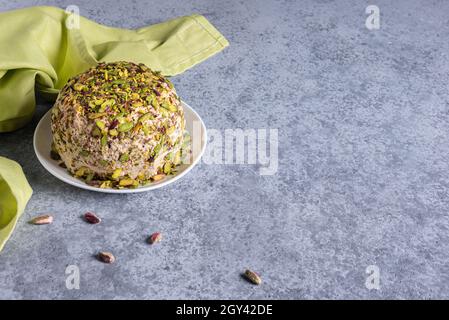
(42, 147)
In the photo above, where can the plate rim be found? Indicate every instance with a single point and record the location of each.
(82, 185)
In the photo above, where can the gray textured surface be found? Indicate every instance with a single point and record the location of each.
(363, 176)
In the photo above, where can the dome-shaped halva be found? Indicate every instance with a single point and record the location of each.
(118, 125)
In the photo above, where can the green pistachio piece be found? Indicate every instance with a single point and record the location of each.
(106, 104)
(157, 148)
(96, 115)
(124, 157)
(80, 172)
(124, 127)
(104, 140)
(127, 182)
(169, 107)
(106, 184)
(146, 116)
(100, 124)
(84, 153)
(96, 132)
(113, 132)
(89, 177)
(118, 81)
(170, 130)
(145, 130)
(155, 104)
(79, 87)
(167, 168)
(116, 173)
(177, 159)
(164, 113)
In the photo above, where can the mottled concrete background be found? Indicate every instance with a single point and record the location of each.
(363, 178)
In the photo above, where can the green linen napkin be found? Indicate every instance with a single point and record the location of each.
(14, 195)
(41, 47)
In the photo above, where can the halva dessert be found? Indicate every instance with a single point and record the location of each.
(118, 125)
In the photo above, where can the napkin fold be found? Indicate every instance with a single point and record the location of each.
(42, 47)
(14, 195)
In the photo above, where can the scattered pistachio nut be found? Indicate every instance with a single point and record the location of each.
(92, 218)
(44, 219)
(106, 257)
(252, 277)
(155, 238)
